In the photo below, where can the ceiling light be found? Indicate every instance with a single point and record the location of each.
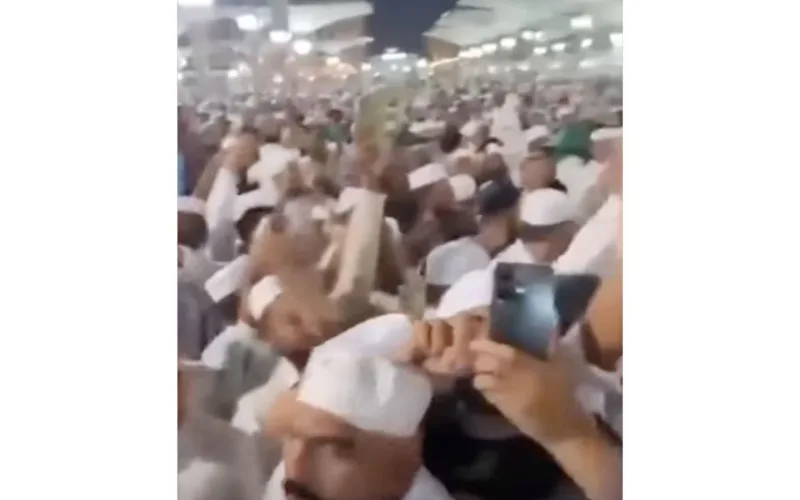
(279, 36)
(332, 60)
(180, 76)
(366, 67)
(232, 73)
(539, 36)
(586, 63)
(492, 70)
(248, 22)
(508, 43)
(616, 39)
(277, 79)
(393, 67)
(540, 51)
(302, 46)
(489, 48)
(581, 22)
(523, 67)
(464, 54)
(558, 47)
(586, 43)
(376, 74)
(555, 65)
(406, 69)
(422, 63)
(528, 35)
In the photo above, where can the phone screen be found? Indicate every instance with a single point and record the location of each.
(532, 306)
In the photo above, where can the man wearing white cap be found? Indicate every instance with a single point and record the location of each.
(448, 262)
(351, 430)
(538, 170)
(193, 265)
(545, 230)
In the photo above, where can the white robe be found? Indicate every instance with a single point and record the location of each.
(424, 487)
(594, 248)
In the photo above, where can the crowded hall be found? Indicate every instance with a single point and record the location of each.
(399, 250)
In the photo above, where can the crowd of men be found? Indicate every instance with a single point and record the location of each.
(335, 278)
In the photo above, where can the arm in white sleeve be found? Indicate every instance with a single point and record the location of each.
(219, 217)
(221, 199)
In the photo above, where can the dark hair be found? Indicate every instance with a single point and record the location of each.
(490, 140)
(192, 230)
(451, 139)
(248, 222)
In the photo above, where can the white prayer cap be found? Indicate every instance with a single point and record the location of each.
(427, 175)
(191, 205)
(606, 133)
(472, 290)
(266, 196)
(452, 260)
(536, 132)
(563, 111)
(379, 336)
(228, 279)
(427, 128)
(494, 148)
(348, 199)
(463, 187)
(373, 394)
(262, 295)
(545, 207)
(470, 128)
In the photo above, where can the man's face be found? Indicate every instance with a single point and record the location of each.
(327, 459)
(537, 171)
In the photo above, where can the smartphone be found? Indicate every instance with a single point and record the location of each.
(532, 306)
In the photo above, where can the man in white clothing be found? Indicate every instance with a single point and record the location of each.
(545, 231)
(351, 432)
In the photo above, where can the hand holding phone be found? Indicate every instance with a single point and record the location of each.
(533, 307)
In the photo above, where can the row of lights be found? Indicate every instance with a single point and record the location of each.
(509, 43)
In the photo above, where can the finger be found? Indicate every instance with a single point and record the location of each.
(405, 354)
(440, 337)
(462, 335)
(491, 365)
(492, 348)
(485, 383)
(422, 336)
